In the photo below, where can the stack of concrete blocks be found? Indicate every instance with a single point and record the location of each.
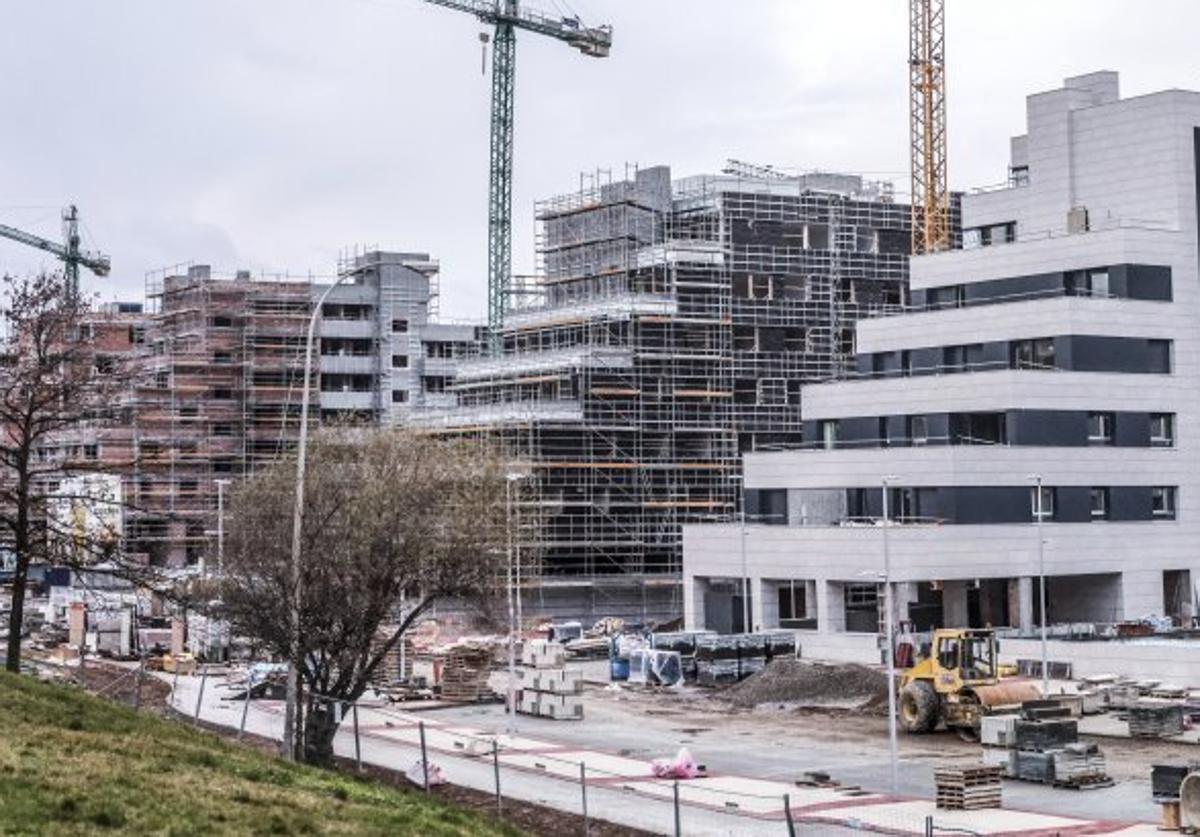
(998, 735)
(548, 688)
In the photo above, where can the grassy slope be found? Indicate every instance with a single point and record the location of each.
(74, 764)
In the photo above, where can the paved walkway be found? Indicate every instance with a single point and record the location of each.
(620, 789)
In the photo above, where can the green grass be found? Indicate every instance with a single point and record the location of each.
(71, 763)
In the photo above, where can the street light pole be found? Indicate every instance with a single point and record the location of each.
(746, 626)
(1041, 553)
(510, 480)
(221, 485)
(293, 677)
(891, 645)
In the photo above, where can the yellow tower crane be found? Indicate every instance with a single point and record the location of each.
(927, 120)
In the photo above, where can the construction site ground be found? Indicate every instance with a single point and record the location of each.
(753, 757)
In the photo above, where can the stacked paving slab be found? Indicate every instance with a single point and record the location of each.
(549, 689)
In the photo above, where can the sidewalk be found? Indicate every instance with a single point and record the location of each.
(620, 789)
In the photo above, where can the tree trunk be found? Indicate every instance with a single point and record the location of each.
(320, 726)
(16, 619)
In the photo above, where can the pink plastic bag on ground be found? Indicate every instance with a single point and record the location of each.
(683, 766)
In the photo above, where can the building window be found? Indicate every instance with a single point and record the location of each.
(399, 396)
(1032, 354)
(399, 326)
(222, 429)
(1099, 502)
(829, 434)
(791, 603)
(1100, 428)
(1162, 502)
(906, 363)
(399, 361)
(1162, 430)
(918, 430)
(1046, 507)
(1097, 282)
(1158, 355)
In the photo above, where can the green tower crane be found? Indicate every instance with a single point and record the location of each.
(70, 254)
(508, 16)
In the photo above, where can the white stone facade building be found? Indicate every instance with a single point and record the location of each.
(1061, 343)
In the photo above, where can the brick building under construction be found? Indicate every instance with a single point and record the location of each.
(669, 328)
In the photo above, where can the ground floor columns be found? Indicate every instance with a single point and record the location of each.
(955, 611)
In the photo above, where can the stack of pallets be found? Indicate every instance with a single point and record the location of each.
(465, 673)
(968, 788)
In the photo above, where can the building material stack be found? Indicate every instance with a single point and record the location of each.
(716, 660)
(548, 688)
(1156, 718)
(684, 644)
(968, 788)
(1042, 745)
(465, 673)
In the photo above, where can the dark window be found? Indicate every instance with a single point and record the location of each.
(1046, 505)
(1100, 504)
(399, 361)
(1158, 355)
(1100, 428)
(906, 362)
(883, 432)
(399, 326)
(91, 451)
(1032, 354)
(222, 429)
(399, 396)
(222, 357)
(221, 394)
(1162, 430)
(222, 322)
(918, 430)
(434, 383)
(791, 603)
(1162, 502)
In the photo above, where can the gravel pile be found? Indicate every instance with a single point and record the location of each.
(800, 683)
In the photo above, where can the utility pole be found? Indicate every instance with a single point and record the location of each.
(893, 748)
(1041, 553)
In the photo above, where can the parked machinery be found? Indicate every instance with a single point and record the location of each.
(958, 683)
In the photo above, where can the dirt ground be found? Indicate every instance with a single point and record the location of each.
(697, 710)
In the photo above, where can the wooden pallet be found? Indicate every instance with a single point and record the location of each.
(969, 787)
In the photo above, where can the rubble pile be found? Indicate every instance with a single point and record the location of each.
(792, 682)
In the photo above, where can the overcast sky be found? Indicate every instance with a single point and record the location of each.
(273, 134)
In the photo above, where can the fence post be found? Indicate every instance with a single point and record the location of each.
(137, 683)
(929, 827)
(678, 822)
(787, 811)
(496, 768)
(200, 695)
(424, 754)
(583, 795)
(246, 706)
(357, 743)
(82, 665)
(174, 683)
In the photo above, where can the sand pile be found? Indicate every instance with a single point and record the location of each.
(799, 683)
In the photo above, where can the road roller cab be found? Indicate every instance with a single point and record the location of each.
(958, 682)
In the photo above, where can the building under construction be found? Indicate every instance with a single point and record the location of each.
(669, 328)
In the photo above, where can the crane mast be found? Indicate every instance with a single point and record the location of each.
(927, 120)
(507, 16)
(68, 252)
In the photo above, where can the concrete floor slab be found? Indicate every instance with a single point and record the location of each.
(913, 814)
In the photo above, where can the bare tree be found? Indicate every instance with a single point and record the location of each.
(389, 516)
(49, 386)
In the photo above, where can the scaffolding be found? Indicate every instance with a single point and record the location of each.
(216, 396)
(669, 330)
